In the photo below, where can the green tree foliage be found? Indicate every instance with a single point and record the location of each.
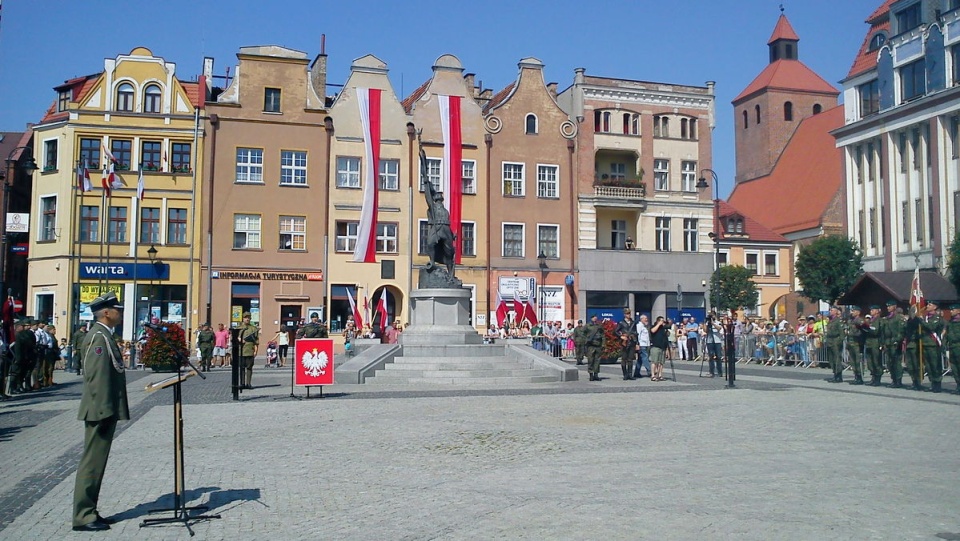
(733, 288)
(160, 354)
(953, 261)
(828, 267)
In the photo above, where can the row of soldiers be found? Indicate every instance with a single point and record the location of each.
(918, 340)
(27, 364)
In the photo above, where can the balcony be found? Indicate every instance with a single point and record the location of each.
(620, 188)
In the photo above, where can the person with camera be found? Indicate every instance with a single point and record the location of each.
(658, 346)
(714, 342)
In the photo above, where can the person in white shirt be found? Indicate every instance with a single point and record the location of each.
(643, 347)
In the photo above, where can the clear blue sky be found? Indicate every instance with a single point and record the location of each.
(44, 42)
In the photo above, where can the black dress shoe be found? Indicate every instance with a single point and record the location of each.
(106, 520)
(95, 526)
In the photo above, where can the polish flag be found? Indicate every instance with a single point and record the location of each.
(369, 102)
(83, 178)
(530, 311)
(502, 310)
(917, 303)
(452, 174)
(353, 308)
(111, 180)
(108, 154)
(141, 189)
(382, 309)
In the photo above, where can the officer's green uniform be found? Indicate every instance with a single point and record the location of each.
(911, 355)
(952, 343)
(103, 403)
(77, 349)
(205, 341)
(871, 347)
(833, 342)
(627, 331)
(249, 340)
(313, 330)
(580, 341)
(892, 334)
(931, 328)
(594, 347)
(854, 330)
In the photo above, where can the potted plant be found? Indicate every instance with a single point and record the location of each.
(611, 343)
(161, 356)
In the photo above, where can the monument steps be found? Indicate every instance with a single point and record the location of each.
(501, 380)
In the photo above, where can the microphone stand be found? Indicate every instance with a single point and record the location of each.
(180, 509)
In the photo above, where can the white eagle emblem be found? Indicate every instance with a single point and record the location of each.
(315, 362)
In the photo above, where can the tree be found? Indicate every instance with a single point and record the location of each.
(953, 261)
(828, 267)
(733, 288)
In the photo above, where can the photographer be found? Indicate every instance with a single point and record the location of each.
(714, 342)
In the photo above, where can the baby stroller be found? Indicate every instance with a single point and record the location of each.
(272, 354)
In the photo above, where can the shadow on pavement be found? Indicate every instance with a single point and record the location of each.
(162, 502)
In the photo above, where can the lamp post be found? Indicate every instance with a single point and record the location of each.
(29, 165)
(715, 231)
(152, 254)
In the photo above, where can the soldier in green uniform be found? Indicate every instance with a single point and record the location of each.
(594, 346)
(205, 341)
(871, 345)
(952, 342)
(78, 338)
(854, 330)
(931, 330)
(579, 341)
(911, 356)
(103, 403)
(833, 342)
(627, 331)
(314, 329)
(249, 344)
(892, 336)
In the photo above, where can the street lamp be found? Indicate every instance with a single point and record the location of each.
(28, 166)
(542, 263)
(715, 230)
(152, 254)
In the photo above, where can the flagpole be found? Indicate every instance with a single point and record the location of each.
(103, 199)
(75, 256)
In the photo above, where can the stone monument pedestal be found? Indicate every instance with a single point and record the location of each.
(440, 317)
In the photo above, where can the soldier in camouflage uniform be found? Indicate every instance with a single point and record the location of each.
(205, 342)
(931, 329)
(871, 345)
(855, 338)
(580, 340)
(833, 342)
(952, 342)
(892, 335)
(314, 329)
(594, 346)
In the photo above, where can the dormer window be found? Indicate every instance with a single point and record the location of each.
(125, 97)
(877, 41)
(734, 225)
(63, 100)
(908, 18)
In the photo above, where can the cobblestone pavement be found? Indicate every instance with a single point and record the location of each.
(784, 456)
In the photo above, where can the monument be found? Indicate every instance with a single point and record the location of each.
(440, 306)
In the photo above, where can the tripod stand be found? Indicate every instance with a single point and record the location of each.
(180, 510)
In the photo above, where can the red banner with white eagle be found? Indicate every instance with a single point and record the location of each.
(313, 362)
(369, 102)
(452, 179)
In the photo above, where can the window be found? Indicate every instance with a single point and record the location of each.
(688, 128)
(618, 171)
(817, 108)
(149, 225)
(661, 126)
(390, 175)
(756, 109)
(347, 236)
(293, 168)
(770, 264)
(48, 218)
(606, 122)
(63, 100)
(661, 175)
(915, 147)
(530, 126)
(386, 238)
(512, 240)
(117, 227)
(918, 217)
(723, 259)
(858, 162)
(955, 56)
(954, 136)
(618, 234)
(691, 233)
(788, 111)
(468, 176)
(869, 97)
(548, 241)
(663, 235)
(883, 226)
(246, 232)
(434, 170)
(89, 223)
(180, 157)
(877, 41)
(422, 237)
(50, 155)
(150, 155)
(90, 152)
(631, 124)
(905, 221)
(468, 239)
(908, 18)
(751, 262)
(122, 151)
(176, 226)
(151, 99)
(871, 168)
(348, 172)
(250, 165)
(912, 80)
(873, 228)
(125, 97)
(513, 179)
(861, 228)
(293, 233)
(548, 186)
(746, 123)
(902, 151)
(689, 176)
(271, 100)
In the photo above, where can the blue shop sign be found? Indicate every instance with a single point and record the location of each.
(125, 271)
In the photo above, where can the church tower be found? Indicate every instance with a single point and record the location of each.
(769, 110)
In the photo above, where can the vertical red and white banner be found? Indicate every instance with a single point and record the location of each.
(382, 309)
(502, 310)
(313, 362)
(452, 179)
(357, 318)
(917, 302)
(369, 102)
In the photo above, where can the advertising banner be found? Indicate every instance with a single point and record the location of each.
(313, 362)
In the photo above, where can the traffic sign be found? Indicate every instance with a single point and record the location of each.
(17, 305)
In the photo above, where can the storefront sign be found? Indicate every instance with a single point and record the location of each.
(88, 292)
(125, 271)
(522, 286)
(553, 303)
(285, 276)
(313, 362)
(18, 222)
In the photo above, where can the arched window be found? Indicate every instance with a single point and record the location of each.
(746, 122)
(693, 128)
(683, 128)
(788, 111)
(606, 122)
(757, 109)
(151, 99)
(665, 128)
(596, 121)
(531, 124)
(125, 97)
(877, 41)
(817, 108)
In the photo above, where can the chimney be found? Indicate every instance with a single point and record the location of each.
(468, 80)
(318, 71)
(552, 88)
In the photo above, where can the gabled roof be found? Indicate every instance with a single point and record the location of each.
(866, 59)
(80, 87)
(753, 231)
(783, 30)
(795, 195)
(416, 95)
(878, 287)
(499, 97)
(791, 75)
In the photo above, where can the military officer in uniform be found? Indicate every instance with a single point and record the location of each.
(249, 344)
(833, 342)
(854, 330)
(931, 329)
(593, 344)
(579, 341)
(205, 341)
(314, 329)
(891, 341)
(627, 331)
(871, 345)
(78, 338)
(952, 342)
(103, 403)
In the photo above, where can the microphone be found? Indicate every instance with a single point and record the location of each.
(154, 327)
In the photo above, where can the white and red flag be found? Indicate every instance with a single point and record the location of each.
(111, 180)
(369, 102)
(353, 308)
(502, 310)
(917, 302)
(83, 178)
(141, 189)
(452, 174)
(382, 309)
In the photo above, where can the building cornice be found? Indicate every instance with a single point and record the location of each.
(647, 97)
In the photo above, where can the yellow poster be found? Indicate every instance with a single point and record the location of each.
(235, 313)
(90, 292)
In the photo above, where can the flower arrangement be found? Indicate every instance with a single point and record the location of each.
(183, 168)
(158, 354)
(612, 346)
(150, 166)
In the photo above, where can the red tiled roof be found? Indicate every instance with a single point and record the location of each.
(80, 87)
(416, 95)
(866, 59)
(192, 89)
(498, 98)
(788, 75)
(754, 230)
(783, 30)
(795, 195)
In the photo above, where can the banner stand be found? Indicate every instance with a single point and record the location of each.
(313, 365)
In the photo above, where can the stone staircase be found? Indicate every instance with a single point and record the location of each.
(459, 365)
